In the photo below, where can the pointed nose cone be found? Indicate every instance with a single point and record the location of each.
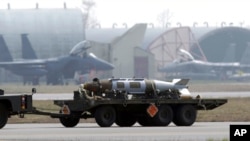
(100, 64)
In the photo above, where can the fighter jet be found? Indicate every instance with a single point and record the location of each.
(78, 60)
(54, 68)
(187, 66)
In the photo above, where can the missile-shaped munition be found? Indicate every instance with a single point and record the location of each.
(138, 86)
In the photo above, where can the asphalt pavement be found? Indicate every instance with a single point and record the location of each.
(199, 131)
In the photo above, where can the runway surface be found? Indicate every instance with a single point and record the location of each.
(65, 96)
(200, 131)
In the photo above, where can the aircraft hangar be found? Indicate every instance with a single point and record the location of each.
(52, 32)
(216, 43)
(123, 51)
(64, 28)
(204, 43)
(221, 44)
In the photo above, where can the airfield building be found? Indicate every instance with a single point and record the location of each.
(53, 32)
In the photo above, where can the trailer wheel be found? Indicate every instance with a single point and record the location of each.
(145, 120)
(164, 116)
(125, 119)
(69, 121)
(105, 116)
(185, 115)
(3, 115)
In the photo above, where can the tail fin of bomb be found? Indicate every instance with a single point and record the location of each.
(183, 90)
(180, 81)
(4, 51)
(27, 50)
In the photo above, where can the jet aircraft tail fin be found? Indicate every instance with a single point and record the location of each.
(4, 51)
(27, 50)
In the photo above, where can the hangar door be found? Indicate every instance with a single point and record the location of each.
(141, 66)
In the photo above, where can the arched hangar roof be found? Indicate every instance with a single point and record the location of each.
(166, 46)
(213, 41)
(216, 43)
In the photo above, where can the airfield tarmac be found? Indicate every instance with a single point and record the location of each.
(200, 131)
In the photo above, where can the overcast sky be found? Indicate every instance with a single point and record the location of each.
(136, 11)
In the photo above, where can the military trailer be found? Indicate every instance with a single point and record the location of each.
(14, 104)
(123, 101)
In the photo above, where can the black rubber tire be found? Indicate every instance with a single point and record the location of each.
(3, 115)
(125, 119)
(69, 121)
(145, 120)
(105, 116)
(185, 115)
(164, 116)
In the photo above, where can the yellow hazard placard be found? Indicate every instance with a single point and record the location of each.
(152, 110)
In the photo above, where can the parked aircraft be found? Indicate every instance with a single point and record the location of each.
(78, 60)
(54, 68)
(187, 66)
